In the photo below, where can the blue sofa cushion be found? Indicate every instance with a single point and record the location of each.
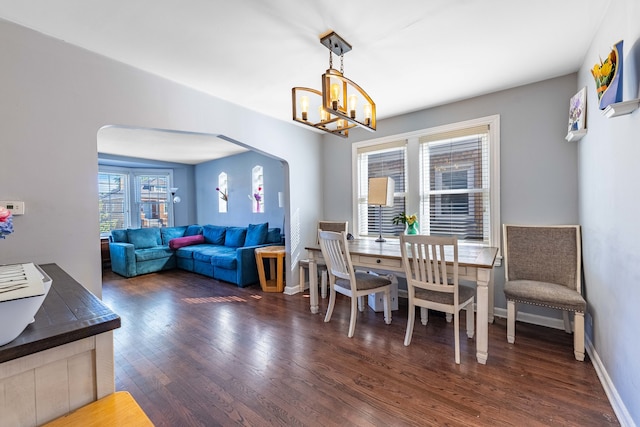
(235, 237)
(256, 234)
(168, 233)
(157, 252)
(119, 236)
(143, 238)
(273, 236)
(206, 252)
(193, 230)
(214, 234)
(225, 261)
(188, 251)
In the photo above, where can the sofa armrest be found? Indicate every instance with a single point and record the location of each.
(123, 259)
(247, 269)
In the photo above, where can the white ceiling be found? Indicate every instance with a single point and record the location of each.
(407, 54)
(168, 146)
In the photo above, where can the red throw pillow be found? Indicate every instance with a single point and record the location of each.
(180, 242)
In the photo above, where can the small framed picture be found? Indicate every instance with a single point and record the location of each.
(578, 111)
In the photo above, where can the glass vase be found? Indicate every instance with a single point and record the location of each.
(412, 228)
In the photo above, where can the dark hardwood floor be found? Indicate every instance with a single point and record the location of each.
(197, 352)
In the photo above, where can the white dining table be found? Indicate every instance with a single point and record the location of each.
(475, 263)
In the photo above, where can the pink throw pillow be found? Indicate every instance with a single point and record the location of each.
(180, 242)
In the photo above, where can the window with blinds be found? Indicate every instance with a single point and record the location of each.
(448, 175)
(383, 160)
(112, 201)
(455, 184)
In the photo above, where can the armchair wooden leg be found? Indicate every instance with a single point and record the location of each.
(578, 336)
(511, 322)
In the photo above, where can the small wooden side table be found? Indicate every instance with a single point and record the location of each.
(273, 254)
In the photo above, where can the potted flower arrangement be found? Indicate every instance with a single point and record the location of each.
(6, 222)
(410, 221)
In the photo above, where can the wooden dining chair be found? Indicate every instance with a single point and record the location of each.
(429, 285)
(303, 264)
(543, 266)
(345, 280)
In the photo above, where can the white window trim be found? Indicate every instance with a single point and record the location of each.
(494, 165)
(132, 204)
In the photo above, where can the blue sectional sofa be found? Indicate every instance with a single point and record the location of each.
(220, 252)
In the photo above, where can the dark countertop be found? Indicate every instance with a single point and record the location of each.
(69, 313)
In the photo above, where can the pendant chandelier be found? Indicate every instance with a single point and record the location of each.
(341, 105)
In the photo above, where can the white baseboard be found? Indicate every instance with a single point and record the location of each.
(609, 388)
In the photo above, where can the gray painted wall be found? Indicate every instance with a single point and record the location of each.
(609, 205)
(239, 207)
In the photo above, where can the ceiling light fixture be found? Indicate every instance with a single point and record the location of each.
(342, 104)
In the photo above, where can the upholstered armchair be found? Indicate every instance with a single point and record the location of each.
(543, 267)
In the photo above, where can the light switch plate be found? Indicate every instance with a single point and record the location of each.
(16, 208)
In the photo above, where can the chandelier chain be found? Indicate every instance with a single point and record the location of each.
(330, 59)
(341, 63)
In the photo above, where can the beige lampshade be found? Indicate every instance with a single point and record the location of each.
(381, 191)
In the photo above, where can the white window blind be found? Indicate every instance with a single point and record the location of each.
(455, 184)
(382, 160)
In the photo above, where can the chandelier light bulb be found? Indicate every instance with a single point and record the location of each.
(335, 95)
(367, 114)
(353, 103)
(324, 116)
(304, 106)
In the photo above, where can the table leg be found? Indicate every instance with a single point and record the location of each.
(313, 284)
(491, 297)
(280, 273)
(482, 312)
(261, 275)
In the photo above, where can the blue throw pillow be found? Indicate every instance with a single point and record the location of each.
(273, 236)
(256, 234)
(143, 238)
(193, 230)
(119, 236)
(235, 237)
(169, 233)
(214, 234)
